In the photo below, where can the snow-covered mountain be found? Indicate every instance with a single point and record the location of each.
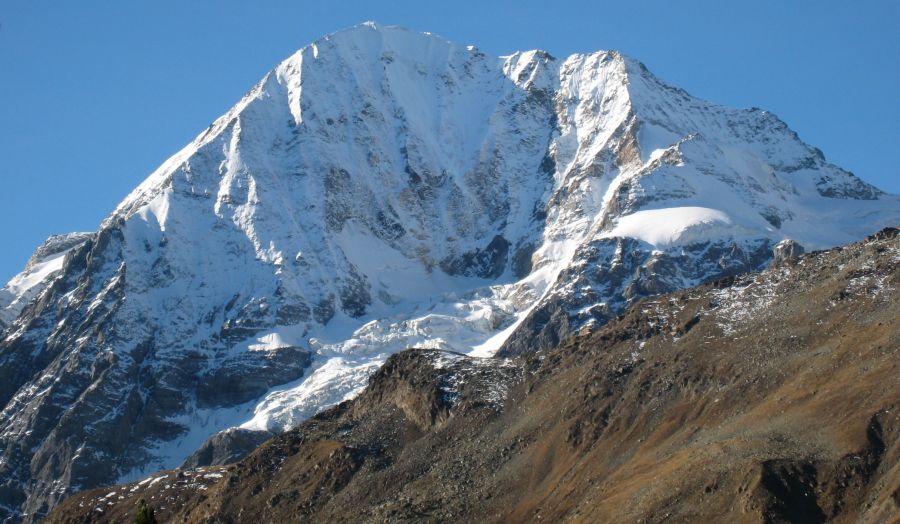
(377, 190)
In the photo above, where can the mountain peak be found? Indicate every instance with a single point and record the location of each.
(382, 189)
(374, 35)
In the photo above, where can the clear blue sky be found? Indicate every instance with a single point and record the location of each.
(95, 94)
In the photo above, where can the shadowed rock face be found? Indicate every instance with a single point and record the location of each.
(762, 397)
(247, 376)
(226, 447)
(623, 271)
(489, 262)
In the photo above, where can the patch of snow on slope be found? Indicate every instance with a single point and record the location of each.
(26, 280)
(394, 276)
(665, 227)
(745, 299)
(25, 286)
(335, 380)
(349, 350)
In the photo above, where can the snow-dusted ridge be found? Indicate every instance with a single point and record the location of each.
(40, 270)
(381, 189)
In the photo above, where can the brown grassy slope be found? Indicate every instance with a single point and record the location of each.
(772, 397)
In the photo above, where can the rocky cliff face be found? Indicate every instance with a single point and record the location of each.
(382, 189)
(766, 397)
(45, 264)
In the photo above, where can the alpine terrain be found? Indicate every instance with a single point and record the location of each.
(769, 397)
(378, 190)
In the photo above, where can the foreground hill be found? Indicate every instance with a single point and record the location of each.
(767, 397)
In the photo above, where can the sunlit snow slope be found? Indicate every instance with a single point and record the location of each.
(377, 190)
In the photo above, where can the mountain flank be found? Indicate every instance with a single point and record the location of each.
(763, 397)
